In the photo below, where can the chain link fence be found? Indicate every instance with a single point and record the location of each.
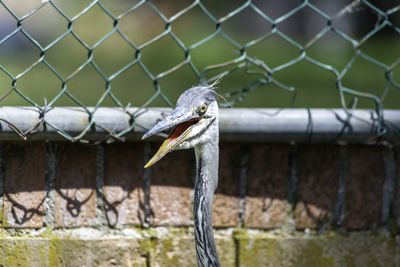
(93, 54)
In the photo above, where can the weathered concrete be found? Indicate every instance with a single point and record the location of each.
(170, 200)
(176, 248)
(328, 250)
(317, 185)
(123, 181)
(75, 181)
(78, 205)
(364, 188)
(84, 247)
(166, 246)
(226, 198)
(24, 185)
(267, 181)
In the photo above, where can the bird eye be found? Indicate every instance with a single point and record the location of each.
(202, 109)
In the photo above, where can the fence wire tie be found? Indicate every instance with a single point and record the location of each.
(15, 128)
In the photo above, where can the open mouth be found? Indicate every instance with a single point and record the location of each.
(181, 128)
(177, 136)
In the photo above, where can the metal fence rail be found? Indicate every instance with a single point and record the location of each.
(239, 124)
(33, 50)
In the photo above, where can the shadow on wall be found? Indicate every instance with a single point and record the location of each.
(261, 185)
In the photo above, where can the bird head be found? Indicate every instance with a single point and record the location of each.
(190, 122)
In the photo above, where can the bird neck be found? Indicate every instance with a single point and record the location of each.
(205, 185)
(207, 158)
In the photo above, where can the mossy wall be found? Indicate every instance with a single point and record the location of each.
(276, 205)
(175, 247)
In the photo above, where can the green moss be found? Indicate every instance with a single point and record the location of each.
(3, 218)
(16, 252)
(175, 247)
(1, 214)
(330, 249)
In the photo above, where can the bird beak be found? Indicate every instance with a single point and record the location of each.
(182, 124)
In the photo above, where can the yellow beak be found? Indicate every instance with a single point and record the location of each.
(162, 151)
(168, 145)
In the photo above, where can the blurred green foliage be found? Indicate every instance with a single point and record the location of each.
(78, 67)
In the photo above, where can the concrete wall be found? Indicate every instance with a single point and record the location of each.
(66, 204)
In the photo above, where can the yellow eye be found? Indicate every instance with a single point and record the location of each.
(203, 109)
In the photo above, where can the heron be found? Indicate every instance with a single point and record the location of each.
(194, 124)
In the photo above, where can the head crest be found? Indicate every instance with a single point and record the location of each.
(217, 79)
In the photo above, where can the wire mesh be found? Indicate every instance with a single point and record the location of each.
(145, 53)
